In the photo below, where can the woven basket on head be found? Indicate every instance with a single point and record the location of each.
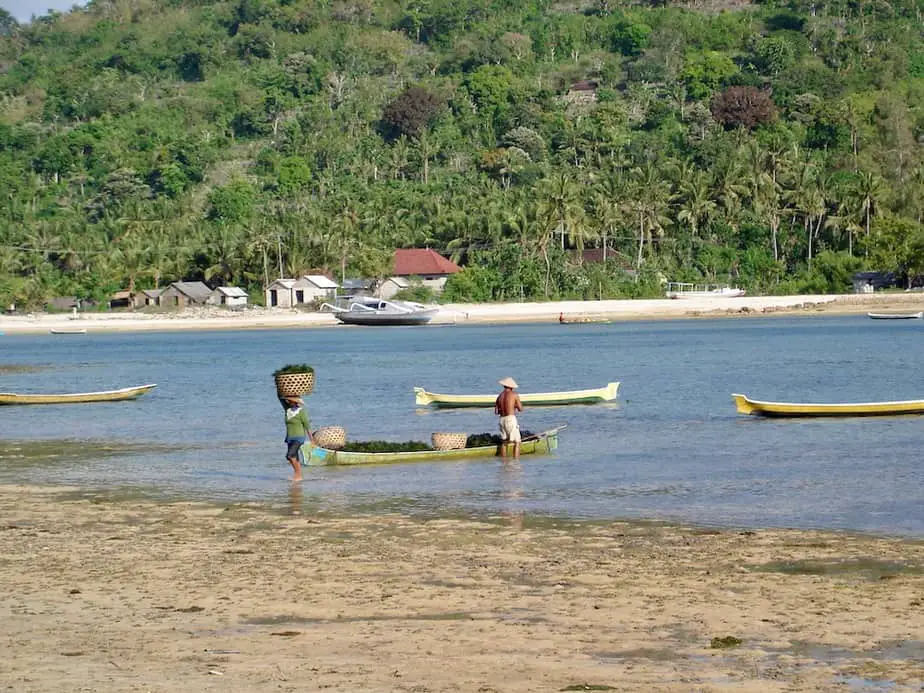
(449, 441)
(294, 384)
(330, 437)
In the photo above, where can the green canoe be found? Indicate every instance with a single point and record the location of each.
(544, 442)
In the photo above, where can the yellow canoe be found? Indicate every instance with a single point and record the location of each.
(793, 409)
(77, 397)
(535, 399)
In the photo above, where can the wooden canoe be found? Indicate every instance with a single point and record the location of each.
(544, 442)
(793, 409)
(896, 316)
(535, 399)
(77, 397)
(65, 330)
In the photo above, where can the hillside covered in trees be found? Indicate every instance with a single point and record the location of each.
(775, 145)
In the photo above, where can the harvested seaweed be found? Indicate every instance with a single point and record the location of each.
(478, 440)
(385, 446)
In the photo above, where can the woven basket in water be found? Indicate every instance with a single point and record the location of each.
(330, 437)
(294, 384)
(449, 441)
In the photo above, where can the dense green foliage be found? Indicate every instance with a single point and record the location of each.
(776, 145)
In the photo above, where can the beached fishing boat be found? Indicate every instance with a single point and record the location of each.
(366, 310)
(896, 316)
(544, 442)
(691, 290)
(76, 397)
(65, 330)
(534, 399)
(794, 409)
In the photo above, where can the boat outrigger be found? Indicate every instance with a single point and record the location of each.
(76, 397)
(544, 442)
(535, 399)
(755, 407)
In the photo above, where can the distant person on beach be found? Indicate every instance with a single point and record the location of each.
(506, 407)
(297, 432)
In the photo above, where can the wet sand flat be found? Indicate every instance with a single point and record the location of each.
(101, 594)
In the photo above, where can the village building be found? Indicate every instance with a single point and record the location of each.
(868, 282)
(427, 265)
(358, 287)
(147, 297)
(391, 286)
(231, 296)
(583, 93)
(288, 293)
(184, 294)
(121, 299)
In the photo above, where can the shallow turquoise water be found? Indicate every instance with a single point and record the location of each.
(672, 448)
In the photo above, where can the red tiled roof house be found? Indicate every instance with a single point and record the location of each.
(423, 264)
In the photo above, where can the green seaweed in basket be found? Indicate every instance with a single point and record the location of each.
(479, 440)
(293, 368)
(385, 446)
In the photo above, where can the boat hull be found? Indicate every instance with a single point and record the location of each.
(752, 407)
(321, 457)
(77, 397)
(369, 318)
(536, 399)
(896, 316)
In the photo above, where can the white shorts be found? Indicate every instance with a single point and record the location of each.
(510, 429)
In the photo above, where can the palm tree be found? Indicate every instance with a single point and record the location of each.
(696, 206)
(652, 194)
(869, 190)
(561, 204)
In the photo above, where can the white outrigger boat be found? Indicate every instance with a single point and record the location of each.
(368, 310)
(691, 290)
(896, 316)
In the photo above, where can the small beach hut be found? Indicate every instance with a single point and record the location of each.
(231, 296)
(183, 294)
(147, 297)
(391, 286)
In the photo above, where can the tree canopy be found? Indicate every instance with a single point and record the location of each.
(240, 140)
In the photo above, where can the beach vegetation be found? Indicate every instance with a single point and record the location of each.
(555, 151)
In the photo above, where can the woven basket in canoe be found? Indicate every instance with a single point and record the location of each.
(294, 384)
(449, 441)
(330, 437)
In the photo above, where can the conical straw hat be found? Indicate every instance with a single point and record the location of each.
(508, 382)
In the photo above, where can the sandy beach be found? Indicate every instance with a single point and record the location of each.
(102, 594)
(462, 313)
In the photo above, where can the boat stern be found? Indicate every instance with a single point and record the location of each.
(743, 404)
(422, 397)
(610, 391)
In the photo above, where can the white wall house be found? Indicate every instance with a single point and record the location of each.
(288, 293)
(228, 296)
(388, 288)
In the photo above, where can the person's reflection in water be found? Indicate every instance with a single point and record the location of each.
(296, 498)
(511, 473)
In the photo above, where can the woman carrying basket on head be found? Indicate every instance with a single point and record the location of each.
(297, 432)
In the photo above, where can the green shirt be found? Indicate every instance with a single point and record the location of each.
(298, 425)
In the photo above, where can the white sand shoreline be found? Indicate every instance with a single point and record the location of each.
(461, 313)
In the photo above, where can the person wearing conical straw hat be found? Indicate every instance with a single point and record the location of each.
(506, 407)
